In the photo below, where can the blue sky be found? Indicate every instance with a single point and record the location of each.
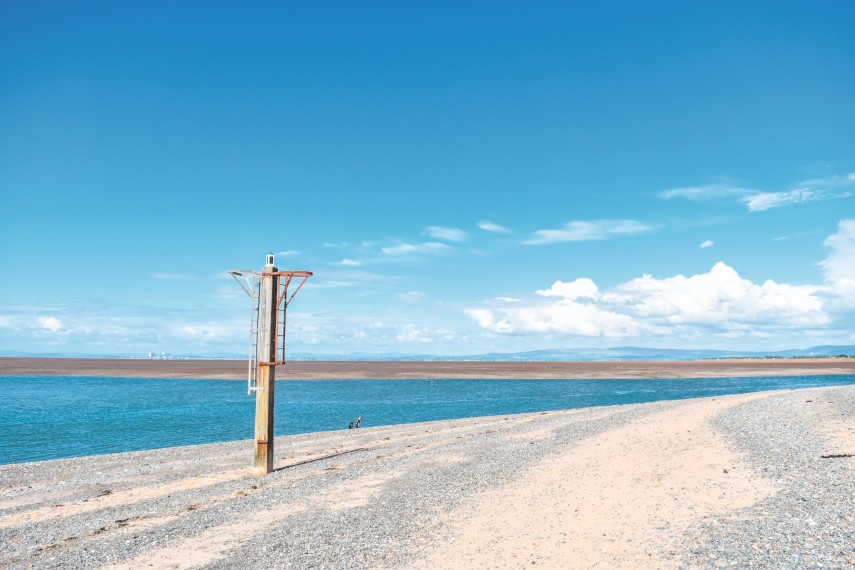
(461, 177)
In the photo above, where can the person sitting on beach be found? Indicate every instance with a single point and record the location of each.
(350, 425)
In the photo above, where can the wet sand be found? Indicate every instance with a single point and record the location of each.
(316, 370)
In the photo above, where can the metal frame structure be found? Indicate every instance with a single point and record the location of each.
(249, 282)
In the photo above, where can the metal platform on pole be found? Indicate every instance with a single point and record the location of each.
(270, 291)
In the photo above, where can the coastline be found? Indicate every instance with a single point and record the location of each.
(347, 370)
(748, 479)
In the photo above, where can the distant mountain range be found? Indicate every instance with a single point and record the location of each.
(622, 353)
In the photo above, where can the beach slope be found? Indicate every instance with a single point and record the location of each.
(763, 479)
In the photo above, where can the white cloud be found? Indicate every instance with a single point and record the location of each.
(758, 200)
(448, 234)
(719, 297)
(564, 318)
(839, 266)
(767, 200)
(831, 182)
(715, 307)
(133, 329)
(355, 332)
(718, 302)
(412, 333)
(203, 332)
(706, 244)
(288, 253)
(488, 226)
(348, 262)
(579, 288)
(51, 324)
(796, 235)
(351, 276)
(705, 193)
(412, 296)
(815, 190)
(589, 231)
(415, 248)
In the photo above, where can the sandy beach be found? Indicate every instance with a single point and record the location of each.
(764, 480)
(314, 370)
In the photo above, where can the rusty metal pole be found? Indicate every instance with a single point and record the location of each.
(266, 371)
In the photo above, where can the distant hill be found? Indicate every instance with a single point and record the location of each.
(625, 353)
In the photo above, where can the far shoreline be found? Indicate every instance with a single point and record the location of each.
(428, 370)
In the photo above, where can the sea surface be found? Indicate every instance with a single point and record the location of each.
(56, 417)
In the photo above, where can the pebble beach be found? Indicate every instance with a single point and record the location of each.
(762, 480)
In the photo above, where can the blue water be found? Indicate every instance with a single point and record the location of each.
(56, 417)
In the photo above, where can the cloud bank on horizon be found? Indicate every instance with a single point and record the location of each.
(717, 306)
(718, 303)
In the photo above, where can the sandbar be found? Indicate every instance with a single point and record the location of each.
(319, 370)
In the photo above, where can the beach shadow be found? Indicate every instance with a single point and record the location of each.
(330, 456)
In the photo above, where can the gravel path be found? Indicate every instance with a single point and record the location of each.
(379, 497)
(810, 522)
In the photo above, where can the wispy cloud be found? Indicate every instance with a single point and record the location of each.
(430, 247)
(797, 235)
(288, 253)
(767, 200)
(348, 262)
(590, 230)
(488, 226)
(705, 193)
(351, 275)
(412, 296)
(707, 243)
(831, 188)
(448, 234)
(831, 182)
(345, 331)
(812, 190)
(203, 332)
(173, 276)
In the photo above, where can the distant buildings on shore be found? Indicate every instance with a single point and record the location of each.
(170, 356)
(161, 356)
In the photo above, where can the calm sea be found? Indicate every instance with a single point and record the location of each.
(56, 417)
